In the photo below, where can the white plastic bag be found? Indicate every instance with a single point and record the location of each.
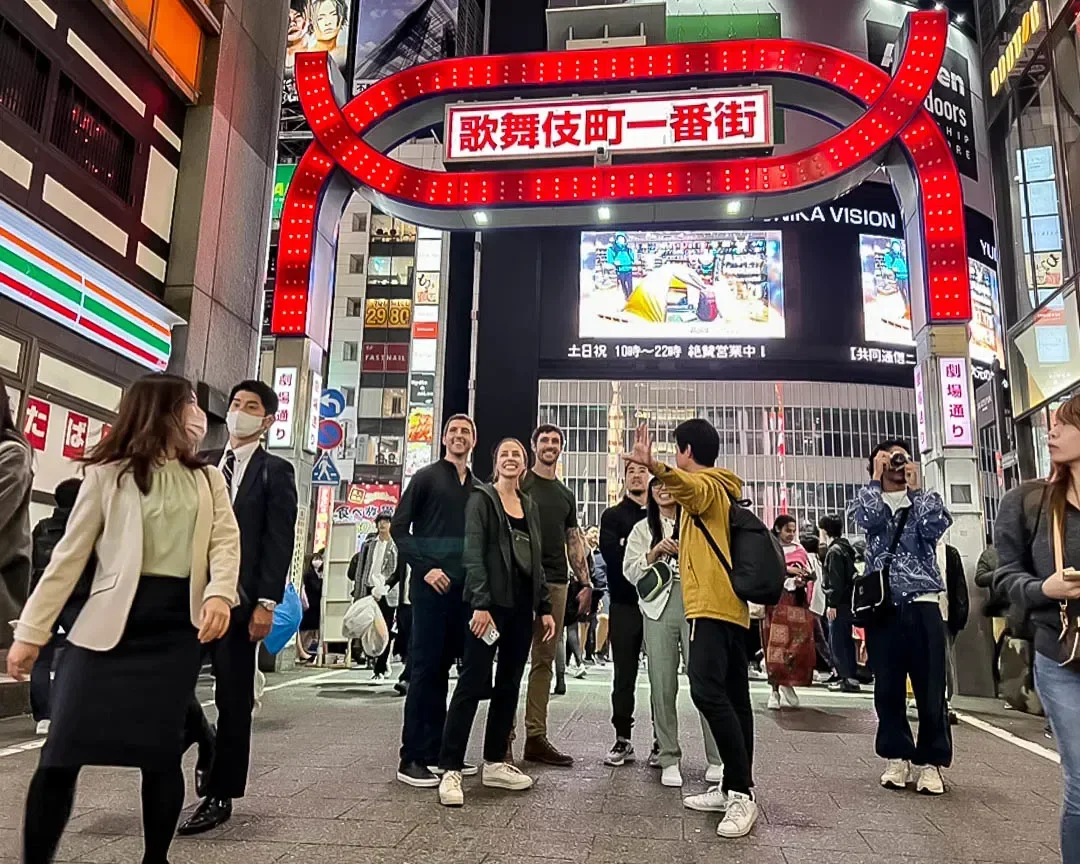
(364, 621)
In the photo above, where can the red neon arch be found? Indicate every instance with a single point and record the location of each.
(894, 113)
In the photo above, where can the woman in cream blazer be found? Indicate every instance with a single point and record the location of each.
(152, 554)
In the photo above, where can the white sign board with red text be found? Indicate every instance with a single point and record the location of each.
(281, 433)
(693, 120)
(920, 410)
(956, 402)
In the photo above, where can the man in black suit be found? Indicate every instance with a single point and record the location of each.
(263, 490)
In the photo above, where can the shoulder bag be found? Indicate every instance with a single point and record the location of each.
(870, 595)
(1070, 620)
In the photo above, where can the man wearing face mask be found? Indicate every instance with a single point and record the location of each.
(263, 491)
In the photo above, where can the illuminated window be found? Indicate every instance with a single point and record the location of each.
(83, 131)
(178, 37)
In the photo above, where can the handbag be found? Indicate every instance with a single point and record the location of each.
(870, 594)
(655, 582)
(521, 550)
(1070, 621)
(287, 615)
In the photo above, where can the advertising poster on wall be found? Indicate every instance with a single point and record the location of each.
(316, 25)
(392, 35)
(949, 101)
(886, 288)
(682, 285)
(363, 504)
(987, 344)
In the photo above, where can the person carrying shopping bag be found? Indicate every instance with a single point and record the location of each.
(651, 565)
(165, 580)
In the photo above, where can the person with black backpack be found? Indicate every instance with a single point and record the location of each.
(718, 616)
(839, 580)
(47, 534)
(898, 601)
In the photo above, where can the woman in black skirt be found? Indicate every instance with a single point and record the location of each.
(154, 531)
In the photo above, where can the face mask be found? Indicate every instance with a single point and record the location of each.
(243, 425)
(196, 427)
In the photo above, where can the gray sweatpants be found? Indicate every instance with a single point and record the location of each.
(663, 639)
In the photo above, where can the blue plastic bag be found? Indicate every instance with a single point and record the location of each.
(287, 617)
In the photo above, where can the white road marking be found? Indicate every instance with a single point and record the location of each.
(1005, 735)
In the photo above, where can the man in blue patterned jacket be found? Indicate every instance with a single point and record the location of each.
(907, 639)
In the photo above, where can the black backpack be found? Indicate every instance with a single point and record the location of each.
(47, 534)
(757, 568)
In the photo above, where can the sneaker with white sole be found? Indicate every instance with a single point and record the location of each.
(713, 801)
(500, 775)
(671, 776)
(467, 770)
(774, 701)
(738, 821)
(897, 774)
(620, 754)
(450, 791)
(788, 697)
(43, 727)
(714, 775)
(929, 780)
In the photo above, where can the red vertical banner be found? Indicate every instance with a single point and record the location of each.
(781, 449)
(75, 431)
(36, 427)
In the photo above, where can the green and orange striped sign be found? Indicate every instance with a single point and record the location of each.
(49, 275)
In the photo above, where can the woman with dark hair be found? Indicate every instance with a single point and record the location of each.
(652, 565)
(1037, 536)
(307, 639)
(506, 589)
(16, 478)
(790, 655)
(167, 563)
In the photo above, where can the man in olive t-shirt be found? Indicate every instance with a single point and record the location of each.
(561, 540)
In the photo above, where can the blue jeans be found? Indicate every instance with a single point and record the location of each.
(1059, 690)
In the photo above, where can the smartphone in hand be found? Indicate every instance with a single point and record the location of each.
(491, 635)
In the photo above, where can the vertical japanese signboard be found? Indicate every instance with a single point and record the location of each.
(281, 433)
(956, 402)
(920, 410)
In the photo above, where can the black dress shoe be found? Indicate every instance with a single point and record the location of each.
(207, 816)
(204, 763)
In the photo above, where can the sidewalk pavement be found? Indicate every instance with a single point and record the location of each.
(323, 791)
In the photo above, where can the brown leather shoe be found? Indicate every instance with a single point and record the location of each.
(539, 749)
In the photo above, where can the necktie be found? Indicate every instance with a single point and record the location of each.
(228, 469)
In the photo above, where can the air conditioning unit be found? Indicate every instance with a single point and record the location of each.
(606, 42)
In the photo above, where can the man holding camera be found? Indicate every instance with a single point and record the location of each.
(905, 636)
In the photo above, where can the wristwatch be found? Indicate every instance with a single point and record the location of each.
(268, 605)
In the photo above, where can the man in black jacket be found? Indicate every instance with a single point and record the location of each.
(839, 582)
(625, 626)
(429, 530)
(263, 491)
(47, 534)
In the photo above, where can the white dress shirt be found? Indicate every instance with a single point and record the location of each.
(243, 457)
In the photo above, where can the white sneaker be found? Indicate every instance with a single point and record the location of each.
(897, 774)
(714, 775)
(930, 781)
(500, 775)
(581, 671)
(774, 701)
(788, 697)
(713, 801)
(43, 727)
(742, 813)
(450, 792)
(671, 776)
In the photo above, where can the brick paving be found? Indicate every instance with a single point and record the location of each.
(323, 790)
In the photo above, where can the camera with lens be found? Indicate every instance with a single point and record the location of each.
(898, 460)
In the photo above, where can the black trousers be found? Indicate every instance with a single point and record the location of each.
(388, 616)
(515, 628)
(437, 635)
(626, 631)
(720, 690)
(52, 794)
(233, 659)
(41, 676)
(910, 641)
(844, 654)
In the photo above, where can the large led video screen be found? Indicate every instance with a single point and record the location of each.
(986, 339)
(886, 290)
(681, 285)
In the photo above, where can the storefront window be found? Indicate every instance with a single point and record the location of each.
(1039, 219)
(1066, 53)
(10, 351)
(1046, 354)
(1040, 429)
(55, 374)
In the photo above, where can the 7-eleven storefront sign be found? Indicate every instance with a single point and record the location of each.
(41, 271)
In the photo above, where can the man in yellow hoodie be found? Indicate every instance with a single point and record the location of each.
(717, 666)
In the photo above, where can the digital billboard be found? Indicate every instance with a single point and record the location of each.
(987, 343)
(681, 285)
(886, 290)
(315, 25)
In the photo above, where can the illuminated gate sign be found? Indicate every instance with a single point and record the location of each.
(695, 120)
(1014, 50)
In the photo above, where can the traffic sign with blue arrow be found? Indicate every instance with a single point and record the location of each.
(324, 472)
(332, 404)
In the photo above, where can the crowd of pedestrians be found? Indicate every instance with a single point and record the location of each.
(165, 556)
